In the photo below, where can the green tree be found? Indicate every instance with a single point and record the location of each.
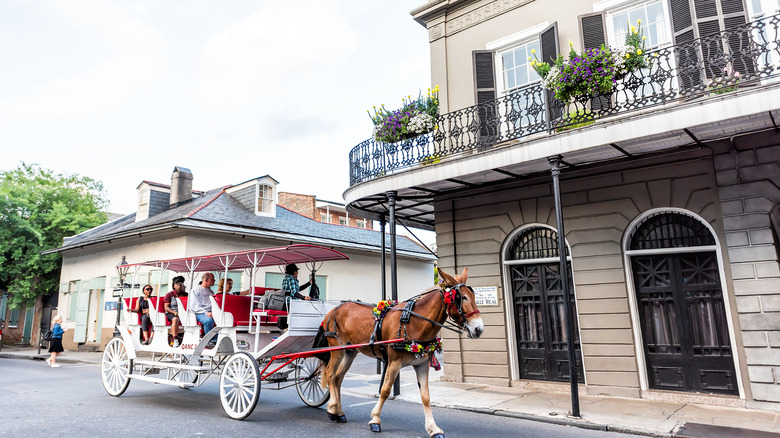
(38, 209)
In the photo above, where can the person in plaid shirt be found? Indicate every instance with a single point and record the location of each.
(290, 283)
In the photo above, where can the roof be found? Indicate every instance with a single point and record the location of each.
(254, 258)
(218, 211)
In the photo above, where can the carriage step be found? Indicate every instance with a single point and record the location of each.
(161, 381)
(173, 365)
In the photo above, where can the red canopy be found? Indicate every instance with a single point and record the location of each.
(254, 258)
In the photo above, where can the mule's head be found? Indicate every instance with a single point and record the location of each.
(461, 304)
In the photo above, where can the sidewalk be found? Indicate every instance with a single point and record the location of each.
(641, 417)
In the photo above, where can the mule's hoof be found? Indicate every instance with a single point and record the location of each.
(375, 427)
(437, 435)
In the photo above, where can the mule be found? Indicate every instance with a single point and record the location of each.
(417, 323)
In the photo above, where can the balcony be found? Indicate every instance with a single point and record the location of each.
(719, 66)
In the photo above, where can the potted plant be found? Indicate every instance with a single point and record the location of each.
(726, 83)
(414, 118)
(594, 71)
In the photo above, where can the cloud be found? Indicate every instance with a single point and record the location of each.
(118, 52)
(279, 46)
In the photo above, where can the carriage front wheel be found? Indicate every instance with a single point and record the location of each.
(308, 378)
(239, 385)
(115, 367)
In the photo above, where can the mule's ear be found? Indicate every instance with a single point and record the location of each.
(464, 275)
(447, 279)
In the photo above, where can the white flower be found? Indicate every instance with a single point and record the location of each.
(421, 123)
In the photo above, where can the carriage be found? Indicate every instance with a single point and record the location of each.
(251, 351)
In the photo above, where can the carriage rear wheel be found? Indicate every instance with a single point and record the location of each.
(115, 367)
(308, 378)
(239, 385)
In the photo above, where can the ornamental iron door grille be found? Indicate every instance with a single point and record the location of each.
(681, 310)
(538, 301)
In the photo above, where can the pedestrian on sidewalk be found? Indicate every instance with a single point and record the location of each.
(55, 345)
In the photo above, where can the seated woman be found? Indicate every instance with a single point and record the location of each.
(142, 308)
(229, 288)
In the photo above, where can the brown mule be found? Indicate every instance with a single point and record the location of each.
(353, 323)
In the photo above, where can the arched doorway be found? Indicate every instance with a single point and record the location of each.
(680, 304)
(533, 281)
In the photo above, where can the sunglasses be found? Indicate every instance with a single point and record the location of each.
(147, 288)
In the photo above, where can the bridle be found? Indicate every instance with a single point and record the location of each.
(453, 303)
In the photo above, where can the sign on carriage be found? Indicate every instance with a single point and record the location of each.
(486, 295)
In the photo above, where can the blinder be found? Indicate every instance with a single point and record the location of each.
(454, 298)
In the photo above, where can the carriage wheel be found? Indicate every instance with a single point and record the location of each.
(186, 376)
(308, 377)
(239, 385)
(115, 367)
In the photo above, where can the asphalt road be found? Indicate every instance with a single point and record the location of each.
(70, 401)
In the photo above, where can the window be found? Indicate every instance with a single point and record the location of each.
(325, 217)
(265, 198)
(515, 65)
(360, 223)
(655, 24)
(13, 319)
(342, 220)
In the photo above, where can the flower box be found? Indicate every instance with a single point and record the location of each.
(414, 118)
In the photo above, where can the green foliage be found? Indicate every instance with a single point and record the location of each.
(415, 117)
(38, 209)
(578, 119)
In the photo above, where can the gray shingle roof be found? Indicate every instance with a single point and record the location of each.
(217, 210)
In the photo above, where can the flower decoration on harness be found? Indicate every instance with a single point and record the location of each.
(421, 349)
(381, 308)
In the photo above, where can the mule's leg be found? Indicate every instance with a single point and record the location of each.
(340, 362)
(422, 382)
(392, 372)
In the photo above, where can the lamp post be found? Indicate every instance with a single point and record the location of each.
(121, 270)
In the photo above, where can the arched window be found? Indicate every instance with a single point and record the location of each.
(534, 243)
(670, 230)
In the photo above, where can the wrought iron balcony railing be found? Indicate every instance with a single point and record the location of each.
(719, 63)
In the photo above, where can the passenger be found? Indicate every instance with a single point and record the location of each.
(201, 305)
(230, 287)
(290, 283)
(142, 308)
(172, 307)
(55, 345)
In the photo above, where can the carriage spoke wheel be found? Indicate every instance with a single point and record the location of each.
(239, 385)
(115, 367)
(308, 378)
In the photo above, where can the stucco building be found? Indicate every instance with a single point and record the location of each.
(668, 184)
(175, 221)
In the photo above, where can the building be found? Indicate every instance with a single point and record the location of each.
(175, 221)
(322, 211)
(668, 185)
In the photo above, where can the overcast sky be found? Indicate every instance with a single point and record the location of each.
(122, 91)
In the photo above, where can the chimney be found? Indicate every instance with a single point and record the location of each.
(181, 186)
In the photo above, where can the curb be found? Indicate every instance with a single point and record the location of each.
(42, 357)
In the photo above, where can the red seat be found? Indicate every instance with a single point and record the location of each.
(130, 305)
(238, 306)
(159, 306)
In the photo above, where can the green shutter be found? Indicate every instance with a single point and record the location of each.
(82, 313)
(98, 283)
(236, 276)
(73, 301)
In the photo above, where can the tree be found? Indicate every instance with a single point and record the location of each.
(38, 209)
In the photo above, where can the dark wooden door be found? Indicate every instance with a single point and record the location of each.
(540, 322)
(683, 322)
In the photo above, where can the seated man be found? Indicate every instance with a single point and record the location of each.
(200, 304)
(172, 306)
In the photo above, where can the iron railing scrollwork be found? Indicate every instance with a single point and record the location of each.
(711, 65)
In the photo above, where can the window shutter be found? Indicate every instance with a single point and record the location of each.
(592, 30)
(485, 88)
(593, 35)
(687, 54)
(63, 288)
(550, 49)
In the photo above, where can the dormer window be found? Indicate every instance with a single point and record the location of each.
(265, 199)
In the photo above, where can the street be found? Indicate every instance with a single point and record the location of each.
(70, 401)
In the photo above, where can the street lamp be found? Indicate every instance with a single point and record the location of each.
(121, 270)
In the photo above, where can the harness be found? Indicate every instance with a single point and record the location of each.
(453, 304)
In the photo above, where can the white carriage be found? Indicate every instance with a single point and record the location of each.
(251, 351)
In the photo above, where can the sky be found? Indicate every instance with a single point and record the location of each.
(125, 90)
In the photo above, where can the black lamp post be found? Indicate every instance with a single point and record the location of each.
(121, 270)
